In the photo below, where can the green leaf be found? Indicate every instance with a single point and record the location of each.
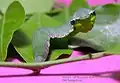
(106, 32)
(30, 6)
(11, 21)
(69, 11)
(58, 52)
(20, 39)
(36, 21)
(77, 4)
(40, 6)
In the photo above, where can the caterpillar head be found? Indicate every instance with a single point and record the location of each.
(83, 20)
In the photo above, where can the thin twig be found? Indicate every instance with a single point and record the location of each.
(37, 66)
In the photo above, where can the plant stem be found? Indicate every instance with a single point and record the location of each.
(41, 65)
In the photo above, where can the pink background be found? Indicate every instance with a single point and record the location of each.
(106, 69)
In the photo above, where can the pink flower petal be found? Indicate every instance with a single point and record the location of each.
(99, 2)
(76, 54)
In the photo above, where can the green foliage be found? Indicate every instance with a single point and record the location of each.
(10, 22)
(30, 6)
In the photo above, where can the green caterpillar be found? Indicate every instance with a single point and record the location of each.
(45, 39)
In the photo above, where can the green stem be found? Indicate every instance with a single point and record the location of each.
(38, 66)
